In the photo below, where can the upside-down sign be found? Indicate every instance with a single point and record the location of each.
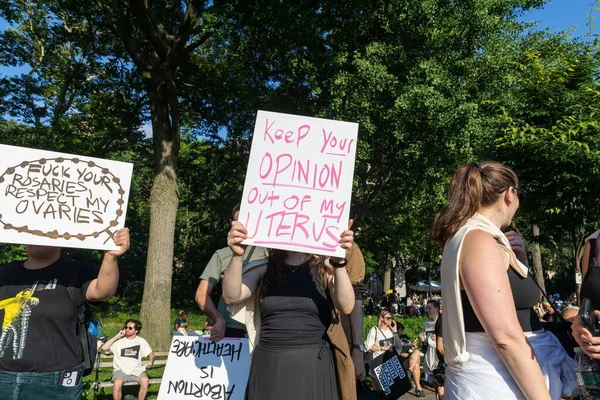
(299, 183)
(57, 199)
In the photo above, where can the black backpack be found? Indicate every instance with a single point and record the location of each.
(88, 341)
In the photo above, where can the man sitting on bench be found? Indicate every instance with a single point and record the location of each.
(128, 350)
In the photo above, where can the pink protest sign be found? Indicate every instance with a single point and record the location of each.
(299, 183)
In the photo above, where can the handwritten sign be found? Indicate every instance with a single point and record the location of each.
(57, 199)
(299, 183)
(199, 368)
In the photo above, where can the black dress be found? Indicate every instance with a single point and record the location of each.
(293, 359)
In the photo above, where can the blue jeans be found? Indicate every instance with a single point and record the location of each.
(39, 385)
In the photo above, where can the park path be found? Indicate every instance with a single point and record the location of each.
(369, 395)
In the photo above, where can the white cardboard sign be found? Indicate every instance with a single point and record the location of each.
(57, 199)
(199, 368)
(299, 183)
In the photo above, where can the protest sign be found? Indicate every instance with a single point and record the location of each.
(389, 373)
(199, 368)
(57, 199)
(299, 183)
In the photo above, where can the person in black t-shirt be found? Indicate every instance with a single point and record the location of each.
(40, 352)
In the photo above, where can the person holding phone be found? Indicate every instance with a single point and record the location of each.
(128, 349)
(383, 337)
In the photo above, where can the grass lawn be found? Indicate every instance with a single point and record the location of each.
(112, 323)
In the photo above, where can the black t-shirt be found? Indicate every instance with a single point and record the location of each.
(39, 319)
(438, 334)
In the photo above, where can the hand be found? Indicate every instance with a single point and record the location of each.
(217, 331)
(236, 235)
(589, 344)
(517, 245)
(121, 238)
(121, 333)
(385, 348)
(358, 360)
(346, 242)
(394, 327)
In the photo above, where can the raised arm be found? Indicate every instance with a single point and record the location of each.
(111, 341)
(340, 286)
(105, 285)
(483, 272)
(235, 287)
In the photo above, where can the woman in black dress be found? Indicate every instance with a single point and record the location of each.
(293, 359)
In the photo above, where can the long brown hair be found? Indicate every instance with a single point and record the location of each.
(274, 275)
(473, 186)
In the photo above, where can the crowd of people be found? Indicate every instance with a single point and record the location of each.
(302, 313)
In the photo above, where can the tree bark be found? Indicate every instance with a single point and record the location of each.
(155, 312)
(536, 256)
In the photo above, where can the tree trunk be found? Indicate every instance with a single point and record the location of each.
(155, 312)
(536, 255)
(387, 280)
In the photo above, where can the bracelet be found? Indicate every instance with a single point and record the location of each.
(338, 265)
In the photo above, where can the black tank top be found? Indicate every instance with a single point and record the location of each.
(526, 295)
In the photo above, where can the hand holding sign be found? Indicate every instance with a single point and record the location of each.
(346, 242)
(121, 238)
(236, 235)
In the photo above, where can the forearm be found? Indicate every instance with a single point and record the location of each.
(109, 342)
(108, 278)
(232, 280)
(151, 357)
(342, 292)
(520, 360)
(204, 301)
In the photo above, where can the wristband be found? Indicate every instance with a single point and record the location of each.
(338, 265)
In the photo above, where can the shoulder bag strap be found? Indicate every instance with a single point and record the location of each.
(77, 299)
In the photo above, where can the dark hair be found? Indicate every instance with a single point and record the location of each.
(137, 324)
(434, 303)
(385, 311)
(235, 209)
(400, 325)
(473, 186)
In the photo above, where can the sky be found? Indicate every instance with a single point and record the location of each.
(560, 15)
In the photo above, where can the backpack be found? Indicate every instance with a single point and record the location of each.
(88, 340)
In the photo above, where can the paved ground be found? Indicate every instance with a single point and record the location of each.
(369, 395)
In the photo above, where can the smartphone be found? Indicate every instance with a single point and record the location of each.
(589, 317)
(393, 323)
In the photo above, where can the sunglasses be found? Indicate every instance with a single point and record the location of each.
(388, 318)
(520, 193)
(129, 328)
